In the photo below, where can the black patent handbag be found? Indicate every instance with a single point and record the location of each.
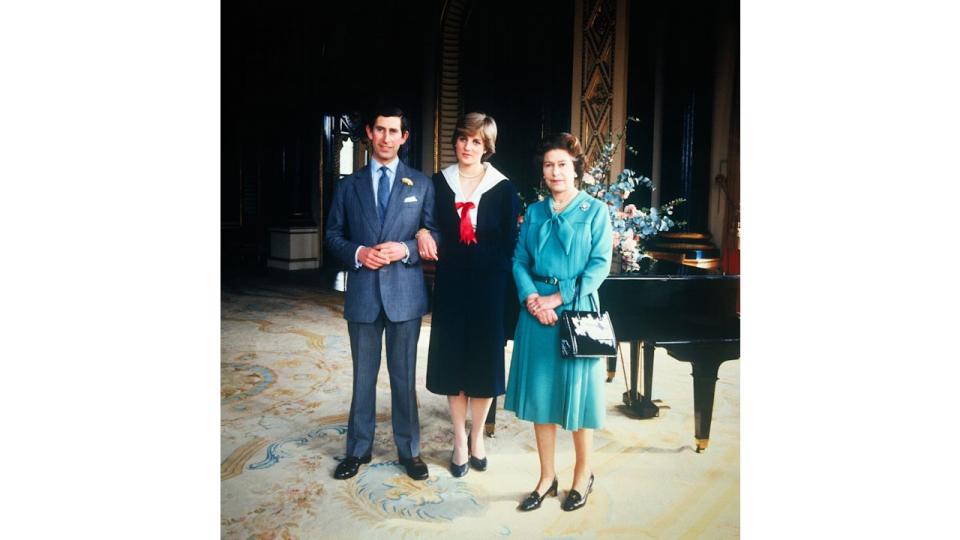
(586, 334)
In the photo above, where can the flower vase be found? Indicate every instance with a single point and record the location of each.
(616, 262)
(646, 263)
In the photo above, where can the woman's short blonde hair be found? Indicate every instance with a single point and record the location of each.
(477, 123)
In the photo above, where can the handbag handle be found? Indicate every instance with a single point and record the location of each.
(576, 298)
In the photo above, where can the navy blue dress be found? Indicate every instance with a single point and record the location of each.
(471, 287)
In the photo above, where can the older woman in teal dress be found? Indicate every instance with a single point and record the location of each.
(564, 238)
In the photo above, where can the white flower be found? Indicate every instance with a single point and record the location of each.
(589, 179)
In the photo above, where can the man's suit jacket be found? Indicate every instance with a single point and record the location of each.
(397, 287)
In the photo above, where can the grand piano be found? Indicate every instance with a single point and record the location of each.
(690, 311)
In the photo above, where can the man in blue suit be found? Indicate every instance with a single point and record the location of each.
(375, 215)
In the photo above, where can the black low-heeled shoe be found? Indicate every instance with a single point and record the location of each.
(574, 500)
(535, 499)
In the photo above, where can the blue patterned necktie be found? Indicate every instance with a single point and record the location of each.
(383, 193)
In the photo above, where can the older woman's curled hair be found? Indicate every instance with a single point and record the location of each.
(562, 141)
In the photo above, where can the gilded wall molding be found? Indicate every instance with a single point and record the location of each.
(598, 104)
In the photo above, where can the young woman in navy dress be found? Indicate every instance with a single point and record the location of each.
(476, 214)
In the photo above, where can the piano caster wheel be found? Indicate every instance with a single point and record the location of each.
(610, 375)
(702, 445)
(490, 430)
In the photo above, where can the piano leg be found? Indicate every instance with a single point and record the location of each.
(704, 389)
(647, 408)
(705, 359)
(631, 395)
(611, 368)
(642, 405)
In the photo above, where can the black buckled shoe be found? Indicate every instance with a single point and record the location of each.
(416, 468)
(535, 499)
(574, 500)
(349, 466)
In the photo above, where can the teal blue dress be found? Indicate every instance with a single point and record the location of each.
(543, 387)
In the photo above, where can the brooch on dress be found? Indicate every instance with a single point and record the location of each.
(585, 206)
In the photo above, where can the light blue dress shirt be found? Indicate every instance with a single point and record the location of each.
(375, 178)
(375, 175)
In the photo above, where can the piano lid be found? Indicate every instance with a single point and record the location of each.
(663, 269)
(671, 302)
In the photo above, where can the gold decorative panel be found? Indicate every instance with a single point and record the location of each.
(597, 57)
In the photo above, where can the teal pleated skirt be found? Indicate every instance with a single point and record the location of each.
(544, 388)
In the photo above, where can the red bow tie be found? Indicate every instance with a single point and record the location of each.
(467, 236)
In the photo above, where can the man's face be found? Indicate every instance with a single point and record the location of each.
(386, 137)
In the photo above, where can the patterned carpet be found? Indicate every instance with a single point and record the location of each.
(285, 393)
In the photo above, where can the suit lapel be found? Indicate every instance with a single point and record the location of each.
(364, 188)
(397, 193)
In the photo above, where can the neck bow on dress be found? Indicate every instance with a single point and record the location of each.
(563, 230)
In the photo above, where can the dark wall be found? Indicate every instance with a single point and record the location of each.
(285, 65)
(518, 68)
(689, 59)
(641, 73)
(687, 33)
(288, 65)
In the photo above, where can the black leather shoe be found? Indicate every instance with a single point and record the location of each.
(478, 464)
(416, 468)
(349, 466)
(574, 500)
(459, 470)
(535, 499)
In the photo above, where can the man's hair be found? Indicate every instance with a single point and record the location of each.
(386, 111)
(477, 123)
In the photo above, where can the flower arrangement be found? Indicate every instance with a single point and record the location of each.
(632, 226)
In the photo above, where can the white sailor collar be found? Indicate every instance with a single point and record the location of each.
(491, 177)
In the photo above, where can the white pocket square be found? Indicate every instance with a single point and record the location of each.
(412, 198)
